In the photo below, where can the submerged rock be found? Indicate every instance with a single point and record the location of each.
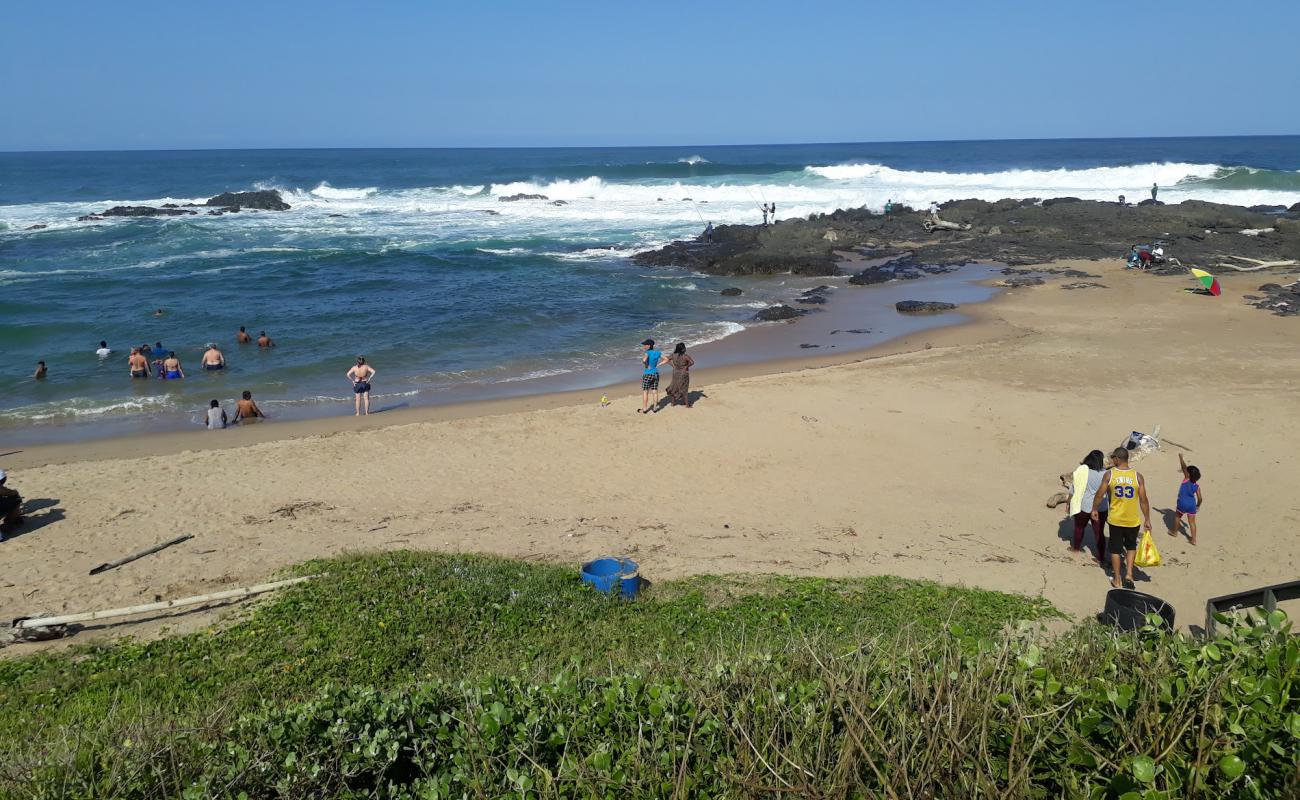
(36, 227)
(778, 313)
(731, 292)
(923, 307)
(263, 200)
(513, 198)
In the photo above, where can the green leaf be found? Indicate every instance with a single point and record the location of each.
(1144, 769)
(1232, 767)
(1212, 650)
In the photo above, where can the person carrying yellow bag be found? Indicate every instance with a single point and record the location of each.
(1127, 491)
(1147, 554)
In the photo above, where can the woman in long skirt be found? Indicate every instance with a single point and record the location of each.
(679, 390)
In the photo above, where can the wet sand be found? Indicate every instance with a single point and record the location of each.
(931, 458)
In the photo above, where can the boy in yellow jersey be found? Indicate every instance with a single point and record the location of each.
(1127, 491)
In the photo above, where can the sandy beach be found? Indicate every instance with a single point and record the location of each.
(931, 457)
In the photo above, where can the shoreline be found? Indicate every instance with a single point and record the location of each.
(928, 458)
(757, 350)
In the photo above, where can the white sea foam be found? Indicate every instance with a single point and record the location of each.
(331, 193)
(693, 160)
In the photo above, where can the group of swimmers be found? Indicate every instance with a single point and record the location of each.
(168, 367)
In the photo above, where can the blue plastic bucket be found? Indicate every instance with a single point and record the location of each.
(609, 574)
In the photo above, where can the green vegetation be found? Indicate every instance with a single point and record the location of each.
(421, 675)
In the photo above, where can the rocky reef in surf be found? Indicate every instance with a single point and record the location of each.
(1013, 232)
(224, 203)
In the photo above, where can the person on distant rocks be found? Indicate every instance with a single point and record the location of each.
(934, 210)
(679, 388)
(650, 361)
(213, 359)
(242, 337)
(40, 371)
(764, 207)
(246, 409)
(104, 350)
(1126, 491)
(138, 364)
(771, 208)
(1086, 481)
(1121, 200)
(171, 367)
(360, 375)
(889, 205)
(1154, 191)
(11, 507)
(264, 341)
(216, 416)
(708, 232)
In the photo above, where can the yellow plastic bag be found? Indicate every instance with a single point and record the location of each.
(1147, 554)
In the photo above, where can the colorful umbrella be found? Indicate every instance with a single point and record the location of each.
(1207, 280)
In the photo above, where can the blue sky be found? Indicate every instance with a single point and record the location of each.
(283, 73)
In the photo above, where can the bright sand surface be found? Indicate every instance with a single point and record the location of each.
(931, 457)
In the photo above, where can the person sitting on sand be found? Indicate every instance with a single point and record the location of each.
(216, 416)
(246, 409)
(138, 364)
(650, 361)
(1126, 491)
(171, 367)
(242, 337)
(1083, 490)
(360, 375)
(264, 341)
(11, 507)
(1133, 258)
(40, 371)
(679, 388)
(213, 360)
(1190, 499)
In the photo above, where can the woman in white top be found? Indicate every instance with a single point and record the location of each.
(1087, 480)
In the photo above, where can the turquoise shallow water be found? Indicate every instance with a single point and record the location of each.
(410, 257)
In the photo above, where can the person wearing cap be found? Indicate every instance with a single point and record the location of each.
(11, 506)
(213, 359)
(650, 361)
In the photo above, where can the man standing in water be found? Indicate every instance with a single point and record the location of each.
(40, 371)
(360, 376)
(264, 341)
(242, 337)
(650, 376)
(213, 359)
(138, 363)
(1127, 491)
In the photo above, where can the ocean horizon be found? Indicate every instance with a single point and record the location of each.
(411, 257)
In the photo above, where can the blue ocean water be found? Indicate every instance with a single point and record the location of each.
(410, 258)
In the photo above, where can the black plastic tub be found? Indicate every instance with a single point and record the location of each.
(1127, 610)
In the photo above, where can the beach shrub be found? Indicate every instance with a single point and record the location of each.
(960, 709)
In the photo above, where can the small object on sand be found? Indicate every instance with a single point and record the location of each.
(38, 628)
(604, 401)
(1207, 280)
(139, 554)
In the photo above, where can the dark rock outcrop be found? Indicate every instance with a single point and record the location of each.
(814, 297)
(1017, 281)
(731, 291)
(145, 211)
(514, 198)
(36, 227)
(262, 200)
(1013, 232)
(778, 313)
(922, 307)
(559, 202)
(1284, 301)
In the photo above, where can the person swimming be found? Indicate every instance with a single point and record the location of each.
(264, 341)
(242, 336)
